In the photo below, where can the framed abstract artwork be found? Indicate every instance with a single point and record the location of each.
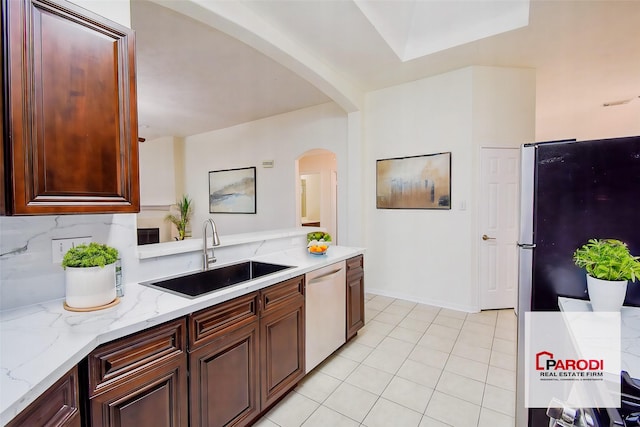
(232, 191)
(416, 182)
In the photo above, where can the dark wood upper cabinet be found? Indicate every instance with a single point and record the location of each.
(69, 111)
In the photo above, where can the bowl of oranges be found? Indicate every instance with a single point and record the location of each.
(317, 248)
(318, 242)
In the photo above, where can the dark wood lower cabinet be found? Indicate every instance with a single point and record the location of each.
(154, 399)
(140, 380)
(355, 295)
(245, 354)
(58, 406)
(282, 345)
(281, 339)
(224, 377)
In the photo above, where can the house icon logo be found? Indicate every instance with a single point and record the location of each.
(540, 365)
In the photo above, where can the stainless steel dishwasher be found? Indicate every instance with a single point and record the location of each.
(326, 306)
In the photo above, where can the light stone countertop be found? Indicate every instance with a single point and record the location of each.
(40, 343)
(195, 244)
(630, 332)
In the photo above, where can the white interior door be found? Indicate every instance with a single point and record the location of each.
(498, 266)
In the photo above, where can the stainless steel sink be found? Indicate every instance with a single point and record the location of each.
(197, 284)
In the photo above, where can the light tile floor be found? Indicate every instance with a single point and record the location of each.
(412, 365)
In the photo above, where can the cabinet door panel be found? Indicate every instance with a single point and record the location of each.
(355, 295)
(355, 307)
(134, 410)
(72, 114)
(282, 344)
(62, 97)
(156, 398)
(224, 379)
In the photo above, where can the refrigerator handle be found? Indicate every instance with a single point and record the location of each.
(526, 245)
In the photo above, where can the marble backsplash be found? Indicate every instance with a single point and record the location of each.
(28, 275)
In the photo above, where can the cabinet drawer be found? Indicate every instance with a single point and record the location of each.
(208, 324)
(276, 295)
(355, 266)
(124, 359)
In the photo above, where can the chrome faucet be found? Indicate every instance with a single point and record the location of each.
(206, 259)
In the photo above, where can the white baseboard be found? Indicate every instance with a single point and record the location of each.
(413, 298)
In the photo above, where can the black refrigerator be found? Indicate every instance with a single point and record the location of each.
(570, 191)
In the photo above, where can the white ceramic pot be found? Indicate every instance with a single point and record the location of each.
(606, 295)
(91, 286)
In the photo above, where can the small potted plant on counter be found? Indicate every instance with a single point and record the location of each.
(90, 276)
(183, 217)
(609, 266)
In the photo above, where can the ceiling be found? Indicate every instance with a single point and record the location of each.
(193, 78)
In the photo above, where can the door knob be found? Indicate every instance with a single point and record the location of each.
(485, 237)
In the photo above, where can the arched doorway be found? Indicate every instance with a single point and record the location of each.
(316, 186)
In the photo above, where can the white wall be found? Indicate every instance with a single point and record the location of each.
(429, 255)
(281, 138)
(503, 106)
(157, 172)
(585, 121)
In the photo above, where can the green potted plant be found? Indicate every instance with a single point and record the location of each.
(609, 266)
(183, 217)
(90, 275)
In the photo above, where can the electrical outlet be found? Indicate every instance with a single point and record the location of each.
(59, 247)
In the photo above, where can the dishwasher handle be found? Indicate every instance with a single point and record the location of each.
(325, 276)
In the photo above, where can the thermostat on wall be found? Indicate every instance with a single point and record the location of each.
(267, 164)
